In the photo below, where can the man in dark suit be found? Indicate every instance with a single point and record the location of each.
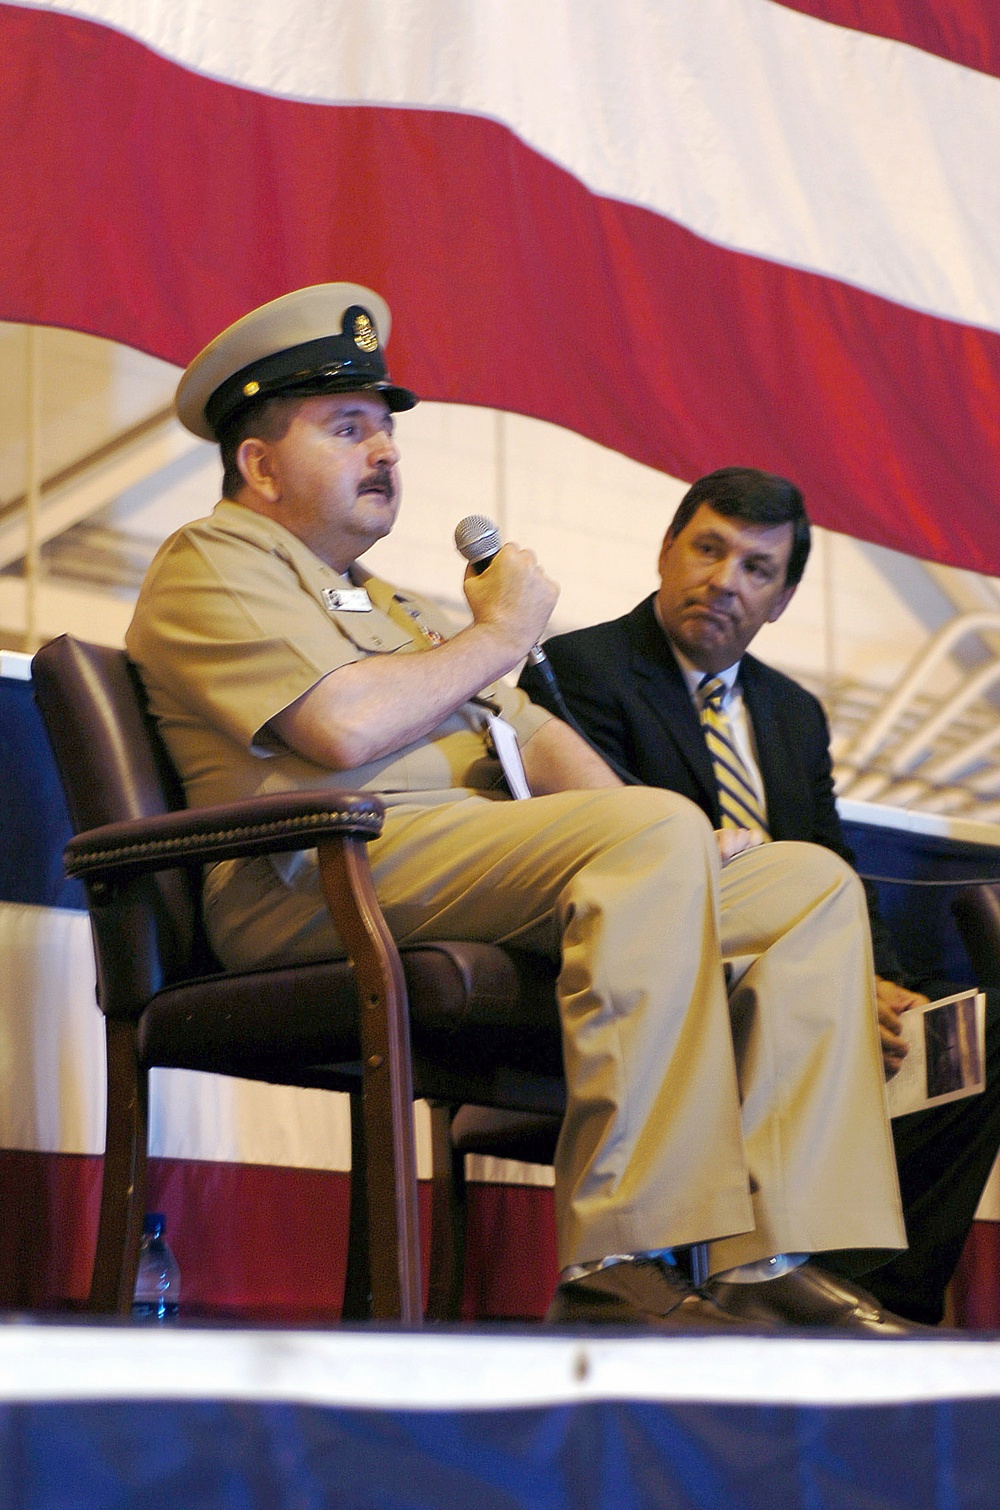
(730, 562)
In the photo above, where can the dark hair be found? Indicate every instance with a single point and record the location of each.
(756, 497)
(268, 420)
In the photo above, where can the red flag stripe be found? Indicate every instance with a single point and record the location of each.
(963, 31)
(154, 205)
(749, 123)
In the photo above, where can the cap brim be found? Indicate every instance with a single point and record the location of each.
(292, 320)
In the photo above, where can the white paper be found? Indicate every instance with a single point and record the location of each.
(947, 1053)
(509, 755)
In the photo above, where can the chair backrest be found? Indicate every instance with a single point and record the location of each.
(977, 914)
(113, 766)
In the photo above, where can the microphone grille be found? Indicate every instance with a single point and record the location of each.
(477, 537)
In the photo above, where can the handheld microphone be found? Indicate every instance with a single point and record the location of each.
(478, 540)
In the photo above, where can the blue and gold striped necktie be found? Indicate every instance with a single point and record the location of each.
(738, 800)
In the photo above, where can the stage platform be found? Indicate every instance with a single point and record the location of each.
(99, 1414)
(253, 1178)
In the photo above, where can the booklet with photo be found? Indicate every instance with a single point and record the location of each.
(947, 1053)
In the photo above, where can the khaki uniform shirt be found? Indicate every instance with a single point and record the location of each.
(237, 618)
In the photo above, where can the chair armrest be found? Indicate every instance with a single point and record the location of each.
(228, 831)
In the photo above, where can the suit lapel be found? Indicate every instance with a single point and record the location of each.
(771, 732)
(660, 683)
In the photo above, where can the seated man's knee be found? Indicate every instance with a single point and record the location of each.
(818, 866)
(662, 827)
(636, 808)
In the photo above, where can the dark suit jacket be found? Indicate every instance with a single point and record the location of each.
(625, 689)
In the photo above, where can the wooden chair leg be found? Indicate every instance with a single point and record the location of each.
(448, 1221)
(123, 1191)
(358, 1280)
(390, 1141)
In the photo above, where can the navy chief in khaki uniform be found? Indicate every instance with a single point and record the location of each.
(719, 1027)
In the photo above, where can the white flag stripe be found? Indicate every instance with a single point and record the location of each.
(757, 127)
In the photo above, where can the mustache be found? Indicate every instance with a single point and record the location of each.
(379, 482)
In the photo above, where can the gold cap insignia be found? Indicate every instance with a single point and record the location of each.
(364, 333)
(249, 389)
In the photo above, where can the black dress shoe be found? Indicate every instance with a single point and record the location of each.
(811, 1297)
(639, 1292)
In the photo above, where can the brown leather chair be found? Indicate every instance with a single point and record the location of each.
(450, 1021)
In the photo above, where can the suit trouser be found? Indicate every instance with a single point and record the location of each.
(757, 1122)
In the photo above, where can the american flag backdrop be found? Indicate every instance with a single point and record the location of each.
(693, 232)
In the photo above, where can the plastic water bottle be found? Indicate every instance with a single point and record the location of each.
(158, 1282)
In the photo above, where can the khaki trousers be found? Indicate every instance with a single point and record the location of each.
(753, 1119)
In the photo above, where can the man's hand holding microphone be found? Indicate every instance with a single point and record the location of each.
(515, 596)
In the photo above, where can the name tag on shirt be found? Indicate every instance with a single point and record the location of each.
(506, 748)
(347, 600)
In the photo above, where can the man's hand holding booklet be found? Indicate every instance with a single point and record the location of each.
(946, 1040)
